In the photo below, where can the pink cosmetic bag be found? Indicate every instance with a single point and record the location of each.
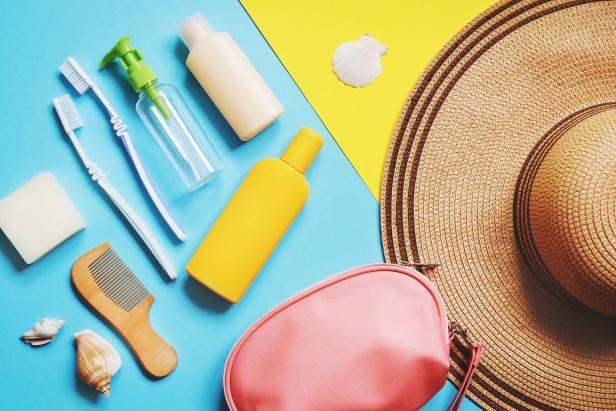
(372, 338)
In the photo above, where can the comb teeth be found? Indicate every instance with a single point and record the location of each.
(75, 75)
(117, 281)
(67, 112)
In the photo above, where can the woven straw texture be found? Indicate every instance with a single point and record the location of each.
(502, 168)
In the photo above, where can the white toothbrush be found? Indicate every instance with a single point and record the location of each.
(78, 78)
(71, 121)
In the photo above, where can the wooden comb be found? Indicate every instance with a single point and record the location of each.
(112, 289)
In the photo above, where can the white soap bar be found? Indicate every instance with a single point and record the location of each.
(38, 216)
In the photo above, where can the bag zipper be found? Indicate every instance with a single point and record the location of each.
(453, 329)
(434, 290)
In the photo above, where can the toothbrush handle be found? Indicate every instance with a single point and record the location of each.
(120, 128)
(133, 218)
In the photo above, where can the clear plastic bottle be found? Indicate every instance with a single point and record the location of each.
(180, 136)
(168, 118)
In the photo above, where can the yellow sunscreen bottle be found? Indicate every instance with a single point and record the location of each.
(255, 219)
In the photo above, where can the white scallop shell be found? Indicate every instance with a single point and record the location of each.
(358, 63)
(42, 332)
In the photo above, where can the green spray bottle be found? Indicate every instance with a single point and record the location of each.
(168, 118)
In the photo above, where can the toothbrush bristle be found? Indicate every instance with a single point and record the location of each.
(69, 116)
(75, 75)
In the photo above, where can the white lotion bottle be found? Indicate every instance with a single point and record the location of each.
(229, 78)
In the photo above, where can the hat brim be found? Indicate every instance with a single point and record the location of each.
(485, 102)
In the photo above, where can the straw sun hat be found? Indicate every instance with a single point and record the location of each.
(502, 169)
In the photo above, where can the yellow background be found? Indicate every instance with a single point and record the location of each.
(304, 35)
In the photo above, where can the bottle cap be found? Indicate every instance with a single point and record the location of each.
(193, 29)
(303, 149)
(140, 75)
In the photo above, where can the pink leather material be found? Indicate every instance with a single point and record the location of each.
(371, 338)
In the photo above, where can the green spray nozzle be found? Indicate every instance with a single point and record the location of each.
(140, 75)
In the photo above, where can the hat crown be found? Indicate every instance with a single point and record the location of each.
(572, 210)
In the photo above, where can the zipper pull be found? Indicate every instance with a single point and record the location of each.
(455, 329)
(418, 265)
(477, 350)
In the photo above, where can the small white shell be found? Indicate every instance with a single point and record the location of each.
(358, 63)
(43, 331)
(97, 361)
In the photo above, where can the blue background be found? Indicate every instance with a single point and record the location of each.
(338, 229)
